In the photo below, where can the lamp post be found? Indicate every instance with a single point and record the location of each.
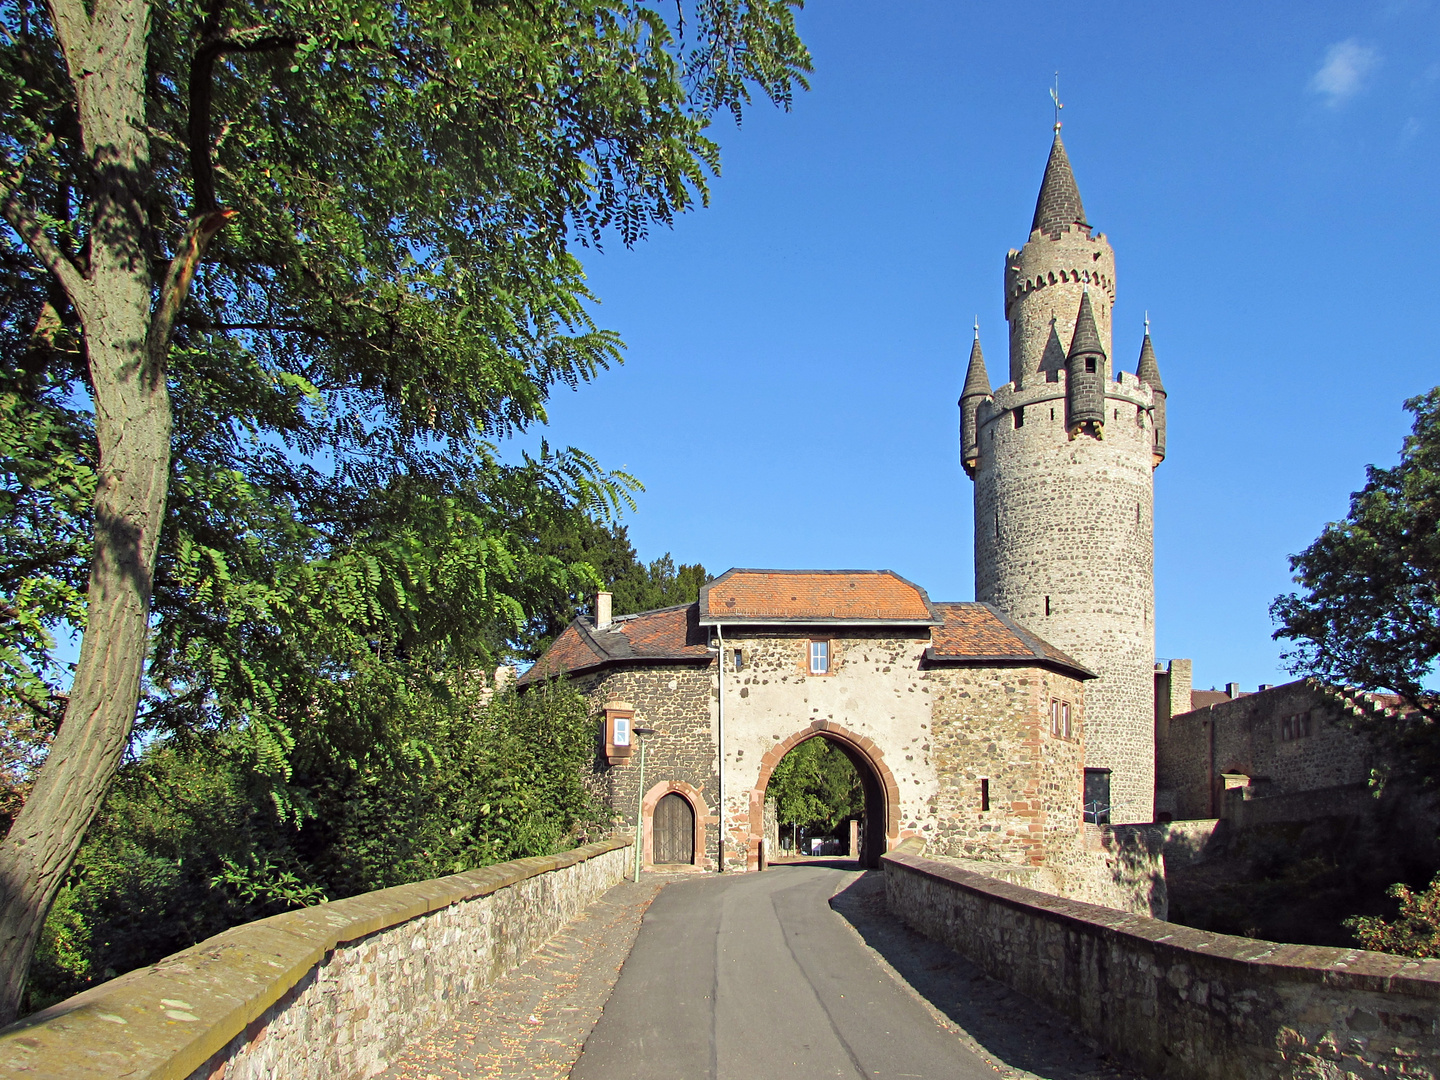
(640, 804)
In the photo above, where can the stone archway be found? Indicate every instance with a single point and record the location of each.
(691, 795)
(882, 795)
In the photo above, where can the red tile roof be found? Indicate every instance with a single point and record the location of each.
(814, 596)
(667, 634)
(978, 634)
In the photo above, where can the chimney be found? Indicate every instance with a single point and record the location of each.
(1267, 686)
(1232, 689)
(602, 611)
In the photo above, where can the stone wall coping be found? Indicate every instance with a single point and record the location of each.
(164, 1021)
(1354, 969)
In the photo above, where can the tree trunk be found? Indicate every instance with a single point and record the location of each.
(105, 53)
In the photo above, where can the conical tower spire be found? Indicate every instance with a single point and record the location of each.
(977, 389)
(1148, 372)
(1058, 207)
(1085, 374)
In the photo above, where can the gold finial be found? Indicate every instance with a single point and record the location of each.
(1055, 97)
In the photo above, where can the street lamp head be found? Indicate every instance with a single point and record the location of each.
(644, 731)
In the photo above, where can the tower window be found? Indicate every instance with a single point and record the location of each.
(1020, 416)
(1060, 719)
(739, 658)
(985, 795)
(1090, 364)
(1052, 414)
(997, 526)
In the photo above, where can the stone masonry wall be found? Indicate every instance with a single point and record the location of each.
(330, 992)
(1244, 736)
(1181, 1003)
(994, 724)
(877, 689)
(678, 702)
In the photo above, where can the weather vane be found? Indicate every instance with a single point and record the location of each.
(977, 327)
(1055, 97)
(1147, 324)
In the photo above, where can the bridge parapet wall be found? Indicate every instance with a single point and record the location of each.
(1179, 1002)
(330, 992)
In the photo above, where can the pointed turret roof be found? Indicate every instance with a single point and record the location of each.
(977, 379)
(1059, 203)
(1087, 337)
(1148, 371)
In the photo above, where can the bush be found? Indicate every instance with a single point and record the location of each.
(191, 838)
(1415, 931)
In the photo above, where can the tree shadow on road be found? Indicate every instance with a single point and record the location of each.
(1020, 1037)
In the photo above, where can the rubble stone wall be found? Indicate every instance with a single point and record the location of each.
(1182, 1003)
(331, 992)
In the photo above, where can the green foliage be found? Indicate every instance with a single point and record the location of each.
(636, 586)
(1369, 615)
(1414, 932)
(189, 841)
(816, 786)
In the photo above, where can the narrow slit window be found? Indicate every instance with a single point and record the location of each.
(1052, 414)
(1047, 605)
(1019, 416)
(984, 796)
(997, 526)
(739, 659)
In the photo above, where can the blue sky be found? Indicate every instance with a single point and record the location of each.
(1266, 174)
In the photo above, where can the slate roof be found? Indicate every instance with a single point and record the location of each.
(977, 379)
(855, 597)
(666, 635)
(1086, 340)
(978, 634)
(1148, 370)
(1058, 206)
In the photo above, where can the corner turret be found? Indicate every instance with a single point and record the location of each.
(1148, 372)
(1085, 376)
(977, 389)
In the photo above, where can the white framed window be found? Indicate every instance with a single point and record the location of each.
(1060, 719)
(819, 658)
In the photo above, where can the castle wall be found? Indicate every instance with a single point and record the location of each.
(993, 724)
(678, 702)
(1247, 736)
(877, 690)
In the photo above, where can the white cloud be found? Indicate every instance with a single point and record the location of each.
(1347, 63)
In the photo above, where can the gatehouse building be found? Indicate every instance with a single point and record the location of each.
(997, 729)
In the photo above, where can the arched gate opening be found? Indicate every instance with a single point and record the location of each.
(880, 825)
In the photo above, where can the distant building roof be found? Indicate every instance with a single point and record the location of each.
(1201, 698)
(856, 597)
(979, 634)
(666, 635)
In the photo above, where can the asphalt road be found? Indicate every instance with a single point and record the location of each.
(753, 976)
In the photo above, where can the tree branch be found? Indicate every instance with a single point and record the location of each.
(257, 39)
(176, 286)
(23, 220)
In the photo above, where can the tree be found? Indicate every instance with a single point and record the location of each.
(344, 228)
(636, 586)
(816, 785)
(1369, 615)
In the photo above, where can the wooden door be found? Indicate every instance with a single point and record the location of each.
(673, 831)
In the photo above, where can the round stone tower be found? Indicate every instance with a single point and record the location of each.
(1062, 457)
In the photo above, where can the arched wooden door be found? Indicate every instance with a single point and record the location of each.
(673, 830)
